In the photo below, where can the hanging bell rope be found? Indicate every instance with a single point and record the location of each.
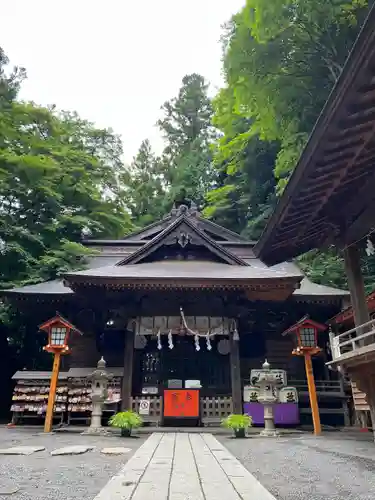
(190, 331)
(170, 340)
(370, 250)
(159, 341)
(196, 340)
(208, 342)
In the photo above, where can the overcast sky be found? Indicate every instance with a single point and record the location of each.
(113, 61)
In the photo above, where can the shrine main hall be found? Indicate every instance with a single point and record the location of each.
(182, 303)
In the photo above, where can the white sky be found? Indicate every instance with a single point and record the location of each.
(114, 62)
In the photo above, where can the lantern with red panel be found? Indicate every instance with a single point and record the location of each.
(58, 330)
(305, 333)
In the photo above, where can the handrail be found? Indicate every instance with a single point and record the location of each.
(345, 343)
(321, 385)
(368, 323)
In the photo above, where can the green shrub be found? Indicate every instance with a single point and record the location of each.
(126, 421)
(238, 423)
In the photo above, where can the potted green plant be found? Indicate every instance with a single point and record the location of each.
(126, 421)
(238, 423)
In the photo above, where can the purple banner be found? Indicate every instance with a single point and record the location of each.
(285, 413)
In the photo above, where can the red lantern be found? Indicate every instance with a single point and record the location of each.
(306, 334)
(58, 330)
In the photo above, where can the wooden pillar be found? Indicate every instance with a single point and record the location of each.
(127, 380)
(360, 308)
(312, 394)
(52, 392)
(235, 372)
(356, 285)
(370, 393)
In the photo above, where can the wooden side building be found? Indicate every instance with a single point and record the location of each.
(330, 200)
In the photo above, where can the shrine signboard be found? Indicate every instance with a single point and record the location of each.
(181, 403)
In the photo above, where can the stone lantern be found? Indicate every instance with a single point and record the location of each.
(269, 381)
(99, 393)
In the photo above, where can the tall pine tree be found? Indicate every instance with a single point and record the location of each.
(188, 133)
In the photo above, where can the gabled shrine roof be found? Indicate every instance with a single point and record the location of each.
(185, 225)
(127, 261)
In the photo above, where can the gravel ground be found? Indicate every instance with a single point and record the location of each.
(42, 477)
(332, 466)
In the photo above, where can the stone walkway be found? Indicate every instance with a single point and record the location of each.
(183, 467)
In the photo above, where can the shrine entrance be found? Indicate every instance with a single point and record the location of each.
(183, 363)
(188, 375)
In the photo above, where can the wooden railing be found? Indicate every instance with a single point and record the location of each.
(213, 409)
(349, 342)
(329, 387)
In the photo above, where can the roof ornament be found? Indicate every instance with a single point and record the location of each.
(183, 239)
(184, 206)
(174, 210)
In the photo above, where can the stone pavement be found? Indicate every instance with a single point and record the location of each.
(41, 476)
(183, 467)
(331, 466)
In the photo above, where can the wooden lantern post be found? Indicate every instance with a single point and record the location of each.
(58, 330)
(306, 333)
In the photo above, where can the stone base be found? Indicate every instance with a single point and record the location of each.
(269, 433)
(21, 450)
(115, 451)
(96, 431)
(72, 450)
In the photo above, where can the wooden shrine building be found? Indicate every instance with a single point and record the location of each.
(183, 303)
(330, 200)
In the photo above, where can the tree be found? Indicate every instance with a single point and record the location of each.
(244, 193)
(188, 133)
(281, 59)
(9, 82)
(58, 178)
(154, 183)
(145, 191)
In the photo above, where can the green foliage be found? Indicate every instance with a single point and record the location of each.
(237, 422)
(145, 187)
(153, 183)
(59, 179)
(243, 196)
(126, 420)
(325, 268)
(281, 59)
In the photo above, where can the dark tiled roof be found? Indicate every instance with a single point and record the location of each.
(54, 287)
(186, 269)
(116, 371)
(30, 375)
(309, 289)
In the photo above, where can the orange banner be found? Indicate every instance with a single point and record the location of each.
(181, 403)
